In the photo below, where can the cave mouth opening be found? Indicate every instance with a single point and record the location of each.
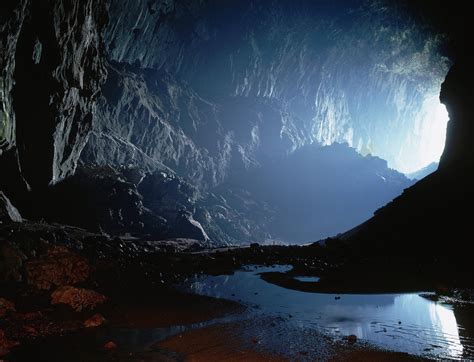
(429, 135)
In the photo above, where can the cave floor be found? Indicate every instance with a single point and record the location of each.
(186, 327)
(167, 301)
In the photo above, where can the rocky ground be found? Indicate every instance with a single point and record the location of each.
(57, 279)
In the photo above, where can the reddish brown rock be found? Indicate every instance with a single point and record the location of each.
(95, 321)
(6, 306)
(6, 344)
(110, 346)
(58, 267)
(352, 338)
(77, 298)
(30, 331)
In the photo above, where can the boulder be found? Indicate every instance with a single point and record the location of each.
(77, 298)
(110, 346)
(104, 201)
(58, 267)
(95, 321)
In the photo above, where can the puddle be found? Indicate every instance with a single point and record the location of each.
(307, 279)
(399, 322)
(287, 322)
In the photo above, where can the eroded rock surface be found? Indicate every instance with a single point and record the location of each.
(52, 61)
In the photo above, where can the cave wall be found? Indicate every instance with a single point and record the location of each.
(355, 72)
(53, 64)
(174, 108)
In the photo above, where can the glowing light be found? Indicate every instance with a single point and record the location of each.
(433, 132)
(429, 135)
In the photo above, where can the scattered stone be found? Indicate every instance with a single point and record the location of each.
(6, 306)
(255, 340)
(352, 338)
(95, 321)
(337, 298)
(77, 298)
(110, 346)
(58, 267)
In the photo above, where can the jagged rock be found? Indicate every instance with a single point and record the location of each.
(11, 21)
(310, 83)
(59, 45)
(186, 226)
(6, 306)
(58, 267)
(456, 94)
(77, 298)
(8, 212)
(104, 200)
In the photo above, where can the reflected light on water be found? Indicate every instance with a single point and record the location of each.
(400, 322)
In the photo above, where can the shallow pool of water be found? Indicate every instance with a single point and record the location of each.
(399, 322)
(307, 279)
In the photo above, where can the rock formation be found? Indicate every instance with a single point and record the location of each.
(52, 68)
(151, 124)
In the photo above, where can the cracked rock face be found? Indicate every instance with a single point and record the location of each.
(192, 118)
(52, 63)
(355, 71)
(11, 20)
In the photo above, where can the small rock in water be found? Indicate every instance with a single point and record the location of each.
(352, 338)
(337, 297)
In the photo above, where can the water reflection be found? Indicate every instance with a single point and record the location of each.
(401, 322)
